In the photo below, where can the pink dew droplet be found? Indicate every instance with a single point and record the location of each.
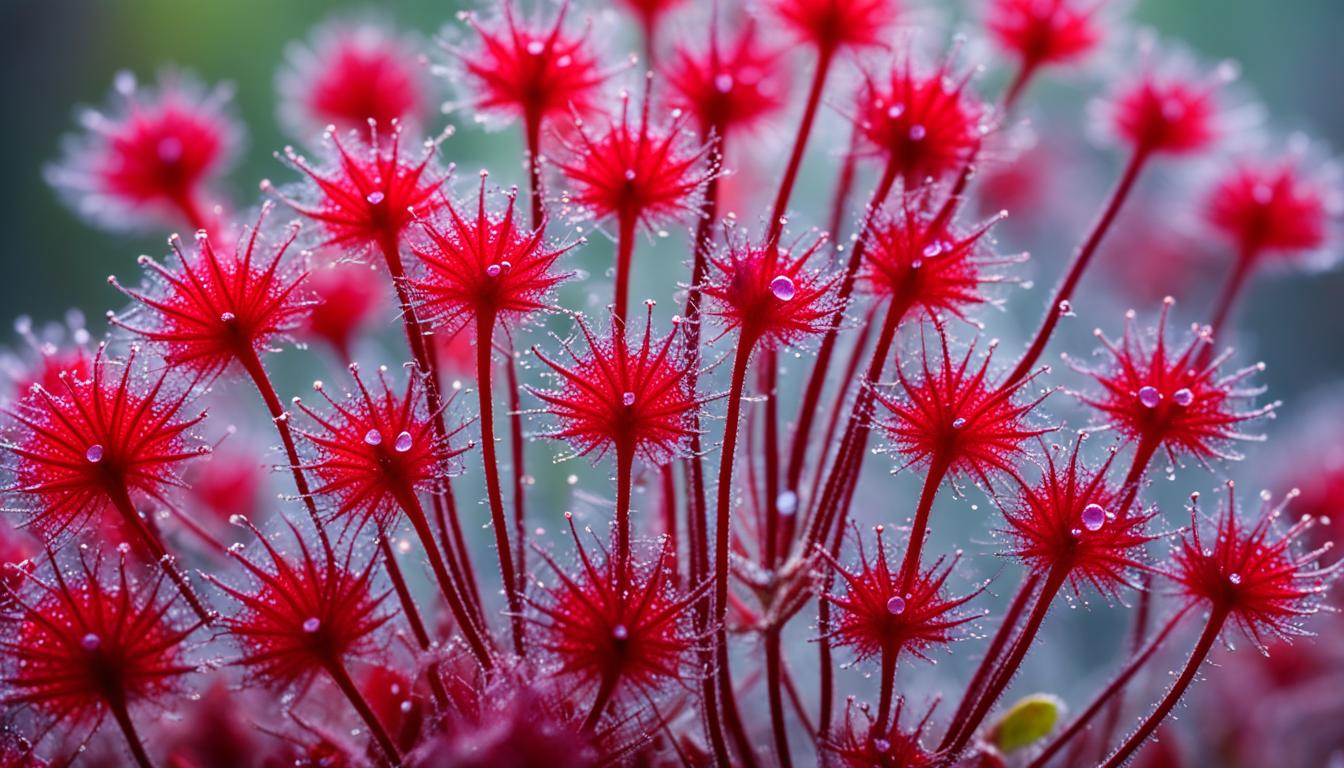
(783, 288)
(1183, 397)
(375, 198)
(1149, 397)
(91, 642)
(493, 270)
(1094, 516)
(896, 606)
(94, 454)
(311, 624)
(619, 632)
(373, 437)
(628, 399)
(403, 442)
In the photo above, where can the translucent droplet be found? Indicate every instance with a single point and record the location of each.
(620, 632)
(311, 624)
(630, 174)
(958, 423)
(373, 437)
(91, 642)
(881, 745)
(932, 249)
(1094, 516)
(1183, 397)
(405, 707)
(238, 520)
(918, 132)
(896, 606)
(1149, 397)
(403, 443)
(1235, 578)
(536, 47)
(628, 399)
(94, 454)
(723, 83)
(786, 503)
(493, 270)
(895, 111)
(375, 198)
(227, 317)
(783, 288)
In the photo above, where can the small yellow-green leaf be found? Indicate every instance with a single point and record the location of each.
(1026, 722)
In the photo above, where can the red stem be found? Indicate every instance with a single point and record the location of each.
(775, 689)
(625, 467)
(604, 694)
(1140, 658)
(410, 505)
(341, 677)
(532, 135)
(802, 433)
(1197, 657)
(413, 618)
(1081, 259)
(937, 470)
(425, 358)
(667, 481)
(721, 540)
(887, 686)
(770, 448)
(996, 647)
(121, 499)
(485, 326)
(626, 224)
(1228, 297)
(517, 448)
(955, 741)
(825, 57)
(123, 717)
(1018, 86)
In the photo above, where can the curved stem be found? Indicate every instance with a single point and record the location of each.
(1081, 259)
(774, 688)
(413, 618)
(807, 409)
(723, 511)
(937, 470)
(410, 505)
(996, 647)
(1187, 676)
(823, 67)
(1013, 93)
(626, 233)
(1140, 658)
(121, 499)
(954, 743)
(485, 326)
(604, 694)
(425, 359)
(123, 717)
(341, 677)
(1228, 297)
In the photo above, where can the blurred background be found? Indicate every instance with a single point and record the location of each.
(57, 54)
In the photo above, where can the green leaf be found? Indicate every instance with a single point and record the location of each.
(1026, 722)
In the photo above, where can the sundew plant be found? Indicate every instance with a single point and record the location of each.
(688, 428)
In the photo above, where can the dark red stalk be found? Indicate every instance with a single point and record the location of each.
(825, 57)
(957, 738)
(341, 677)
(697, 523)
(190, 208)
(667, 483)
(1018, 85)
(1201, 651)
(604, 694)
(122, 715)
(1228, 297)
(774, 686)
(1141, 657)
(997, 645)
(802, 433)
(626, 232)
(625, 468)
(1081, 259)
(410, 505)
(723, 511)
(425, 359)
(769, 366)
(413, 618)
(485, 328)
(517, 448)
(532, 135)
(937, 471)
(121, 499)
